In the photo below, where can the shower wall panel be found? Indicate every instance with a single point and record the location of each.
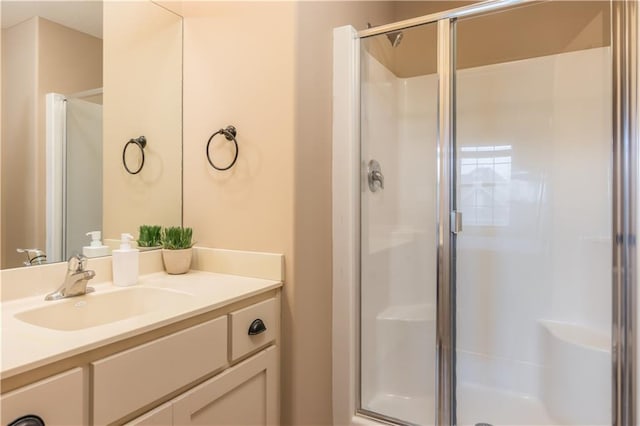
(533, 266)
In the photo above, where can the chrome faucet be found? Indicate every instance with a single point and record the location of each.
(34, 256)
(75, 282)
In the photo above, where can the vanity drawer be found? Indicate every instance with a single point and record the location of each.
(126, 381)
(242, 342)
(57, 400)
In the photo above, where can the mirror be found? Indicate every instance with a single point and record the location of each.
(116, 69)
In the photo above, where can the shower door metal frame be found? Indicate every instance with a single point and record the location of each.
(624, 42)
(446, 240)
(624, 45)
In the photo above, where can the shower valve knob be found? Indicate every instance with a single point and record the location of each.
(374, 176)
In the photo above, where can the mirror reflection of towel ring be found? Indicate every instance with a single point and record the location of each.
(140, 142)
(230, 134)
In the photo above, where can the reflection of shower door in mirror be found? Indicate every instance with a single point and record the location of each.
(74, 172)
(399, 92)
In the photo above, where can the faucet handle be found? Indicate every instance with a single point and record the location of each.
(77, 263)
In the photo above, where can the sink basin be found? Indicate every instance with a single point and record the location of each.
(95, 309)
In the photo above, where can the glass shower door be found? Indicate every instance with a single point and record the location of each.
(534, 144)
(84, 173)
(399, 91)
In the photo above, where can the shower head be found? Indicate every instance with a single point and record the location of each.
(395, 38)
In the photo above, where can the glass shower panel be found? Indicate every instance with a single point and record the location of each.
(398, 225)
(533, 147)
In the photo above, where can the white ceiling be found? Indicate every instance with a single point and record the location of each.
(81, 15)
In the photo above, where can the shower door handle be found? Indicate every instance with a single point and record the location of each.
(456, 222)
(375, 177)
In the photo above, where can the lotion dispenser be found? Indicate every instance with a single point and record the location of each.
(96, 248)
(125, 262)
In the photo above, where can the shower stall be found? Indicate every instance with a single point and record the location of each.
(484, 216)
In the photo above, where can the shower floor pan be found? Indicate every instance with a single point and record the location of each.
(476, 404)
(497, 407)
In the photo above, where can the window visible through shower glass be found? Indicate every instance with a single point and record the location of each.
(399, 92)
(533, 263)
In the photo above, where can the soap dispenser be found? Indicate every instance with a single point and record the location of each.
(125, 262)
(96, 248)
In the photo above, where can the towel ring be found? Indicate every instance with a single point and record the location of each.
(140, 142)
(230, 134)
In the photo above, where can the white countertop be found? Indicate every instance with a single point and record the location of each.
(26, 346)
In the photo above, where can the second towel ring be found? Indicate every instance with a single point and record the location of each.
(230, 134)
(140, 142)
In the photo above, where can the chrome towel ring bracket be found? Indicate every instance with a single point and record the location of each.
(140, 142)
(230, 134)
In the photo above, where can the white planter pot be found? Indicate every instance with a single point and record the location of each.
(177, 261)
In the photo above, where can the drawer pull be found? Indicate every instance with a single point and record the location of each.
(29, 420)
(257, 327)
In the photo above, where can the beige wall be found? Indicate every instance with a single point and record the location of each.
(533, 31)
(308, 373)
(19, 59)
(39, 57)
(266, 68)
(239, 70)
(142, 96)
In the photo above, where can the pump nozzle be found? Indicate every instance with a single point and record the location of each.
(125, 241)
(95, 238)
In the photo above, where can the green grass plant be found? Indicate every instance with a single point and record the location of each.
(150, 236)
(177, 238)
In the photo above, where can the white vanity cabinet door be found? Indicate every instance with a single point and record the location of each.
(57, 400)
(246, 394)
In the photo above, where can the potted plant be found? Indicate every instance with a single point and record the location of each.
(149, 237)
(177, 249)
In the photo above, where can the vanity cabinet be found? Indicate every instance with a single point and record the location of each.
(219, 368)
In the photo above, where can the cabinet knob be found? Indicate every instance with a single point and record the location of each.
(257, 327)
(28, 420)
